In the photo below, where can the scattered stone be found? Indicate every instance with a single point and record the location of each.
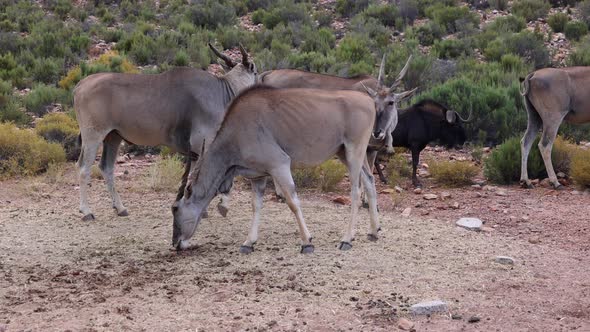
(545, 183)
(535, 182)
(504, 260)
(407, 211)
(405, 324)
(418, 191)
(561, 175)
(423, 173)
(430, 197)
(425, 165)
(476, 187)
(502, 193)
(398, 189)
(525, 218)
(473, 319)
(387, 191)
(438, 149)
(456, 316)
(343, 200)
(490, 188)
(455, 205)
(535, 240)
(445, 195)
(472, 224)
(575, 192)
(428, 308)
(418, 204)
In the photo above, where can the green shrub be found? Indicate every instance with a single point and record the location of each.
(397, 168)
(323, 17)
(580, 168)
(22, 152)
(408, 10)
(386, 14)
(558, 21)
(43, 96)
(60, 128)
(575, 30)
(584, 11)
(503, 164)
(11, 71)
(285, 12)
(512, 63)
(453, 173)
(11, 110)
(353, 49)
(256, 4)
(47, 70)
(451, 17)
(181, 59)
(530, 10)
(498, 4)
(349, 8)
(524, 44)
(228, 37)
(451, 48)
(321, 41)
(580, 56)
(428, 33)
(210, 14)
(165, 174)
(325, 176)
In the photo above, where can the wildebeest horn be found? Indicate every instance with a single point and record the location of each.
(370, 91)
(381, 71)
(244, 55)
(402, 73)
(469, 118)
(223, 57)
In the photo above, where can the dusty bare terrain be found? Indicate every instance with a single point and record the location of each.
(58, 273)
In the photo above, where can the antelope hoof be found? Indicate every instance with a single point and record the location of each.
(246, 250)
(345, 246)
(307, 249)
(526, 184)
(372, 237)
(88, 217)
(558, 187)
(123, 213)
(222, 210)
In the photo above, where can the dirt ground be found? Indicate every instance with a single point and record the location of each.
(58, 273)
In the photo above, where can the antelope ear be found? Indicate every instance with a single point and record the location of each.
(451, 117)
(370, 91)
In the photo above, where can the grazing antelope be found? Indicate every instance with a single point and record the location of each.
(265, 132)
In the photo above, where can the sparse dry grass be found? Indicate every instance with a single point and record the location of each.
(165, 174)
(95, 172)
(397, 168)
(580, 167)
(453, 173)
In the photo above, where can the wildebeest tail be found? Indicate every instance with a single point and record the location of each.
(525, 84)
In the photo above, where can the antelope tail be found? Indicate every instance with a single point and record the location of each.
(525, 84)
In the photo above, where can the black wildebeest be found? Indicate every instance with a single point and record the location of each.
(419, 125)
(552, 95)
(179, 108)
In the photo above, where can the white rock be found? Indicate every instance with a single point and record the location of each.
(418, 191)
(407, 211)
(472, 224)
(405, 324)
(427, 308)
(445, 195)
(476, 187)
(430, 197)
(502, 193)
(398, 189)
(504, 260)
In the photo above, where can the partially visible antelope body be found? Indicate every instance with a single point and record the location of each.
(552, 95)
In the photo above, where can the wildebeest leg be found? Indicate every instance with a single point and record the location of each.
(415, 162)
(282, 176)
(545, 146)
(110, 149)
(371, 194)
(258, 186)
(533, 126)
(187, 169)
(90, 144)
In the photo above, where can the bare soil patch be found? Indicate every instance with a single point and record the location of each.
(59, 273)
